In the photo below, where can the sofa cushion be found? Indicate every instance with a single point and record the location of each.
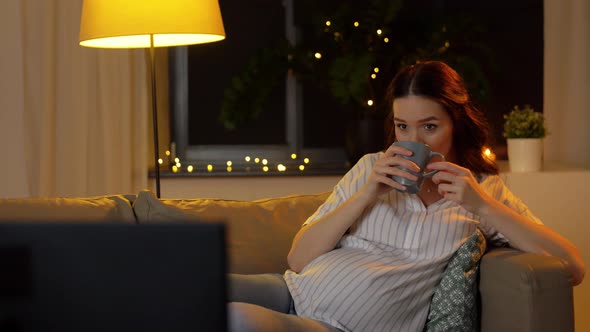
(113, 208)
(454, 304)
(259, 233)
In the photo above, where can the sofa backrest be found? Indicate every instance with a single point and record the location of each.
(258, 233)
(111, 208)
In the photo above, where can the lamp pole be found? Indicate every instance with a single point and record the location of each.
(155, 114)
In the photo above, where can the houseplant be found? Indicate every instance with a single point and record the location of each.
(524, 130)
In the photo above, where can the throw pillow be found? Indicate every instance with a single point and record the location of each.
(454, 303)
(259, 233)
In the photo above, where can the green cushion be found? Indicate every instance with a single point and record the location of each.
(454, 303)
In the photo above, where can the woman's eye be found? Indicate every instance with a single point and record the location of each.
(430, 126)
(401, 126)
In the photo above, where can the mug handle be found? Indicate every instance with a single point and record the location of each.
(433, 154)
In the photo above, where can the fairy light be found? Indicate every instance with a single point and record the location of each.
(160, 161)
(281, 168)
(247, 159)
(376, 69)
(293, 156)
(356, 24)
(447, 44)
(167, 153)
(228, 163)
(379, 32)
(257, 160)
(373, 76)
(209, 168)
(318, 55)
(306, 160)
(370, 102)
(264, 162)
(265, 169)
(301, 167)
(328, 23)
(175, 169)
(229, 169)
(178, 165)
(176, 160)
(190, 168)
(386, 40)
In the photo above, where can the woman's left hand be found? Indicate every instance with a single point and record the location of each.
(459, 185)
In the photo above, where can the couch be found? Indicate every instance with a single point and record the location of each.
(518, 291)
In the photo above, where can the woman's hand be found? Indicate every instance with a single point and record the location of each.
(380, 180)
(459, 185)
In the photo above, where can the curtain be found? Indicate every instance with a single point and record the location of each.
(567, 81)
(80, 114)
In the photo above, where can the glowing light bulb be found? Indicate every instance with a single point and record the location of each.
(386, 40)
(301, 167)
(247, 159)
(318, 55)
(190, 168)
(281, 168)
(257, 160)
(229, 163)
(447, 44)
(229, 169)
(209, 168)
(373, 76)
(306, 160)
(376, 69)
(293, 156)
(176, 160)
(264, 162)
(160, 161)
(167, 152)
(328, 23)
(178, 165)
(265, 169)
(175, 169)
(379, 32)
(356, 24)
(370, 102)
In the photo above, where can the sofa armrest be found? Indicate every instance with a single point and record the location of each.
(524, 292)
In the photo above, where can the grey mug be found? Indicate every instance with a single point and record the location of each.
(422, 154)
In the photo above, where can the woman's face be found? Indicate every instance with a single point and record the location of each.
(423, 120)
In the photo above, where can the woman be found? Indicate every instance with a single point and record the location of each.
(370, 257)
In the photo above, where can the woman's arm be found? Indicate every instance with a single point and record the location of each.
(459, 185)
(323, 235)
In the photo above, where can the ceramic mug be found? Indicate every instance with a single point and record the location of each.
(422, 154)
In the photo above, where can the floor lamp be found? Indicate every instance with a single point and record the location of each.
(150, 24)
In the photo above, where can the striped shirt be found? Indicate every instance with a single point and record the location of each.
(382, 274)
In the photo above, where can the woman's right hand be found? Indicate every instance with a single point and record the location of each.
(380, 180)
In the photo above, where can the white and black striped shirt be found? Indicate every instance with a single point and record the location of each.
(382, 274)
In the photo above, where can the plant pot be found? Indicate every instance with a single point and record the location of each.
(525, 154)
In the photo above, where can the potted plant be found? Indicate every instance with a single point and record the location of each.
(524, 130)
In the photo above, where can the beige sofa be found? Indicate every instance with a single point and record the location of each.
(519, 291)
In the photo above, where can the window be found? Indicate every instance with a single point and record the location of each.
(299, 118)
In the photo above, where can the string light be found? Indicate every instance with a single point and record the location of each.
(306, 160)
(175, 169)
(386, 40)
(379, 32)
(229, 163)
(176, 160)
(257, 160)
(281, 168)
(293, 156)
(247, 159)
(167, 153)
(264, 161)
(370, 102)
(301, 167)
(190, 168)
(265, 169)
(229, 169)
(328, 23)
(160, 161)
(318, 55)
(356, 24)
(447, 44)
(373, 76)
(376, 69)
(209, 168)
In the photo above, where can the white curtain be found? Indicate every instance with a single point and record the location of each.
(75, 118)
(567, 81)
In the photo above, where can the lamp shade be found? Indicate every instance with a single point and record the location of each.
(129, 23)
